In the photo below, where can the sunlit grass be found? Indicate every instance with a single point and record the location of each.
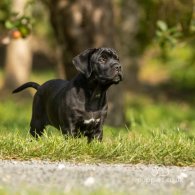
(159, 132)
(140, 143)
(166, 148)
(145, 113)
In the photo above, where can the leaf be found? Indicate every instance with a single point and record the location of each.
(25, 20)
(159, 33)
(9, 24)
(25, 31)
(172, 41)
(162, 25)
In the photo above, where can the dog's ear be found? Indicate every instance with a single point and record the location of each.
(82, 62)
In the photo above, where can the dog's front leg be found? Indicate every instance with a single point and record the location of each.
(97, 134)
(70, 130)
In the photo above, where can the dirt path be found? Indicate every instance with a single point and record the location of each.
(138, 179)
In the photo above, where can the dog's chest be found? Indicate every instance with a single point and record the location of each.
(91, 121)
(88, 119)
(89, 124)
(88, 108)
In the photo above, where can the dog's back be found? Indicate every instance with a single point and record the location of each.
(49, 94)
(51, 88)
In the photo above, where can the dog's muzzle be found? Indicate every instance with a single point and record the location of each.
(117, 73)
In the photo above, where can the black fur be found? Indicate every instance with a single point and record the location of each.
(26, 85)
(79, 106)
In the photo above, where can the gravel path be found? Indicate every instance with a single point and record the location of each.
(138, 179)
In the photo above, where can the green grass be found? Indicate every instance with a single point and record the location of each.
(160, 148)
(145, 114)
(140, 143)
(158, 132)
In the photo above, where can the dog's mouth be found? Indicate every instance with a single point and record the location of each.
(117, 73)
(111, 80)
(117, 79)
(112, 75)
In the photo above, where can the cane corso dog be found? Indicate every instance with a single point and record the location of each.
(79, 106)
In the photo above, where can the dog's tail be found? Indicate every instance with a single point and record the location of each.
(26, 85)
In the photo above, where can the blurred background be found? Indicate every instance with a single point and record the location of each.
(155, 40)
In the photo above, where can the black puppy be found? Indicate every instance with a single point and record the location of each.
(77, 107)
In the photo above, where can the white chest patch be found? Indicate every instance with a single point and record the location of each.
(91, 120)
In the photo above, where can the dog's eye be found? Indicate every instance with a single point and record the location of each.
(102, 59)
(116, 58)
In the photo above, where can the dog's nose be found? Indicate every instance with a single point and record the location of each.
(118, 67)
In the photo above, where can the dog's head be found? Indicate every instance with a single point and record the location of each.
(102, 63)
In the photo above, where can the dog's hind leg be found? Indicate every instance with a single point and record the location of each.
(96, 134)
(38, 121)
(36, 130)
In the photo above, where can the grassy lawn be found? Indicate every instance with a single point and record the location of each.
(168, 141)
(160, 132)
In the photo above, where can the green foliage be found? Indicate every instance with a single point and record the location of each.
(4, 9)
(22, 24)
(179, 67)
(166, 37)
(4, 12)
(12, 22)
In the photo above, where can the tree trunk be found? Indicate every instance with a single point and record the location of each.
(18, 56)
(18, 63)
(130, 43)
(83, 24)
